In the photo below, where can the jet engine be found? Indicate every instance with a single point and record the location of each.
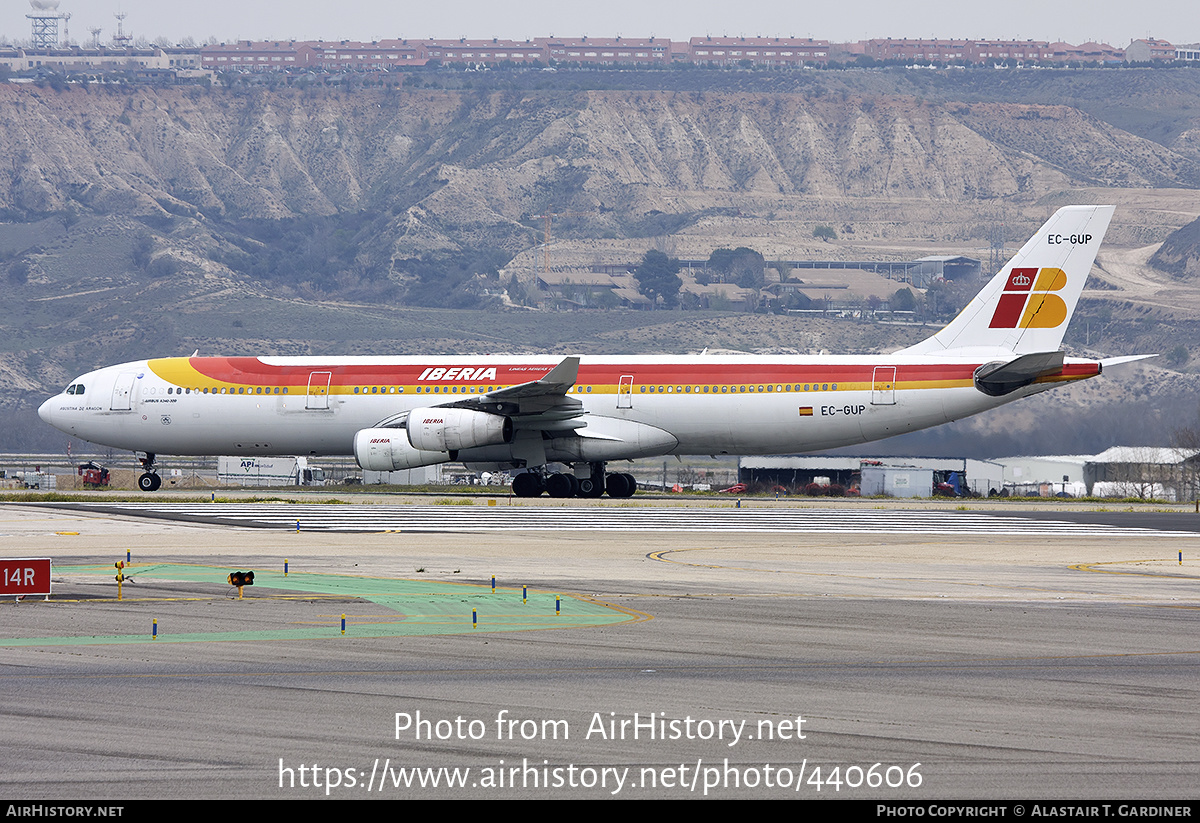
(387, 450)
(447, 430)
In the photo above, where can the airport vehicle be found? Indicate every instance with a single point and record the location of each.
(524, 412)
(269, 471)
(93, 474)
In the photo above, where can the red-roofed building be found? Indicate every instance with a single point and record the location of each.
(762, 51)
(1143, 51)
(611, 50)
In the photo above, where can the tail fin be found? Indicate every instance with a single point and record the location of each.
(1027, 306)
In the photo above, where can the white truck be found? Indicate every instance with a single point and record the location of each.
(268, 471)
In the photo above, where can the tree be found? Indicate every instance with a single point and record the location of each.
(825, 233)
(18, 273)
(903, 300)
(1186, 440)
(658, 276)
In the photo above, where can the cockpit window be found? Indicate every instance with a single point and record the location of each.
(75, 388)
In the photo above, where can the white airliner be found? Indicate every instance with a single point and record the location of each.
(517, 412)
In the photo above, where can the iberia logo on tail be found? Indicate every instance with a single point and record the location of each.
(1029, 301)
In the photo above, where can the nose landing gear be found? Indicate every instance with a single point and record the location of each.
(148, 480)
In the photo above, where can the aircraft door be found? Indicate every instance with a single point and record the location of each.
(318, 390)
(883, 386)
(122, 396)
(625, 392)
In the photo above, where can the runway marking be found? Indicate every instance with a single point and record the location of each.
(422, 607)
(1094, 567)
(357, 518)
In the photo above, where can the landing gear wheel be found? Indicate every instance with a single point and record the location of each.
(149, 482)
(588, 487)
(527, 484)
(561, 485)
(620, 485)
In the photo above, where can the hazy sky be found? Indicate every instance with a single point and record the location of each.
(1074, 21)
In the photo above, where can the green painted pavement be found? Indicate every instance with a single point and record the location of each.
(422, 607)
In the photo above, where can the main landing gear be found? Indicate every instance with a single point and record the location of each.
(532, 484)
(148, 480)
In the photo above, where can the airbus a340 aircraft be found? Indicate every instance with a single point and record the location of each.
(518, 412)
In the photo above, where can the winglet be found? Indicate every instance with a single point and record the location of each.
(563, 376)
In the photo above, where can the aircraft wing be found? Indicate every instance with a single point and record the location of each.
(549, 390)
(541, 404)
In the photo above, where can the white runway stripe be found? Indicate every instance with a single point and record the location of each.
(480, 518)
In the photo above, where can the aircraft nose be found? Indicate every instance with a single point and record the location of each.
(46, 411)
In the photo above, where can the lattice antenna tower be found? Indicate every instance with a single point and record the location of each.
(121, 40)
(997, 254)
(44, 21)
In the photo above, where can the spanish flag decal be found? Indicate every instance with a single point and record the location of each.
(806, 411)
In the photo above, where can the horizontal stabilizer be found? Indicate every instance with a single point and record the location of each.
(1129, 358)
(998, 379)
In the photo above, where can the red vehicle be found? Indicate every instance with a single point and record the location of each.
(93, 475)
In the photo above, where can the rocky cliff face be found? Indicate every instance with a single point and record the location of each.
(453, 167)
(1179, 254)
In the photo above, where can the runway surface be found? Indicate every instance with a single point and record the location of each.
(477, 516)
(938, 655)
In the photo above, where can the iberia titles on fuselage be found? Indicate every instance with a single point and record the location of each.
(517, 412)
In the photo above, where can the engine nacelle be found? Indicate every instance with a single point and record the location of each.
(448, 430)
(388, 450)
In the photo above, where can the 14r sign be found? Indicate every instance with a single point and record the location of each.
(22, 576)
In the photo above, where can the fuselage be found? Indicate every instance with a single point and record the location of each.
(524, 412)
(705, 404)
